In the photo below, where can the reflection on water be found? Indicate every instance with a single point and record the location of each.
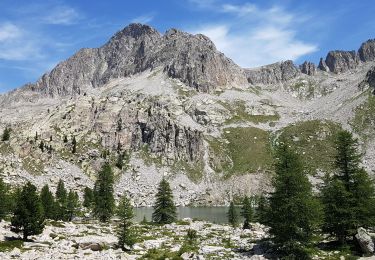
(211, 214)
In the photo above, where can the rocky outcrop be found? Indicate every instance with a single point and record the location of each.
(367, 51)
(308, 68)
(191, 58)
(271, 74)
(341, 61)
(365, 241)
(323, 66)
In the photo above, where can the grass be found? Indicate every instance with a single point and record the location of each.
(242, 150)
(33, 166)
(9, 245)
(5, 149)
(239, 114)
(364, 120)
(314, 142)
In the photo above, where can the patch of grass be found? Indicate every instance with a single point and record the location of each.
(5, 149)
(363, 122)
(33, 166)
(242, 150)
(9, 245)
(314, 141)
(56, 224)
(161, 254)
(148, 158)
(194, 171)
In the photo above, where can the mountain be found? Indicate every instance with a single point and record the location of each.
(172, 105)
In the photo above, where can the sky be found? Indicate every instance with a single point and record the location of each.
(35, 35)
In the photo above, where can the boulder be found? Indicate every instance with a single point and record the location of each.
(367, 51)
(365, 241)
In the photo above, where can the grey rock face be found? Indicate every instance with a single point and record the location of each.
(308, 68)
(341, 61)
(191, 58)
(365, 241)
(274, 73)
(323, 66)
(369, 80)
(367, 51)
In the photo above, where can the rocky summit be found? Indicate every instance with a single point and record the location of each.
(175, 107)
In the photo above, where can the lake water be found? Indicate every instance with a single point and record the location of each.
(211, 214)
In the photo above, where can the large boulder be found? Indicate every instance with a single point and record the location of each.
(365, 241)
(367, 51)
(341, 61)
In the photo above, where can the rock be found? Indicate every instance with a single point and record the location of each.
(323, 66)
(274, 73)
(189, 255)
(341, 61)
(308, 68)
(91, 245)
(367, 51)
(211, 249)
(16, 252)
(365, 241)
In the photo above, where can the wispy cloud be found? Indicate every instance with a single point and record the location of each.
(9, 31)
(62, 15)
(144, 19)
(253, 36)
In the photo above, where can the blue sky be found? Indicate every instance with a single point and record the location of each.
(36, 35)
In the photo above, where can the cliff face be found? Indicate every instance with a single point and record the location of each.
(191, 58)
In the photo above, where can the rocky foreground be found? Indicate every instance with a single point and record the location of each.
(94, 240)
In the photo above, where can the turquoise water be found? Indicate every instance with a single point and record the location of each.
(211, 214)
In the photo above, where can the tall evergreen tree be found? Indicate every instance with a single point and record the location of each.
(262, 209)
(232, 215)
(72, 205)
(247, 212)
(48, 202)
(74, 145)
(125, 233)
(28, 216)
(347, 196)
(104, 202)
(61, 201)
(88, 197)
(294, 213)
(4, 199)
(6, 134)
(165, 211)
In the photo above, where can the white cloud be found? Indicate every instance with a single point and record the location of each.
(255, 36)
(9, 31)
(62, 15)
(144, 19)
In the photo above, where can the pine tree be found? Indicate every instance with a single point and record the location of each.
(294, 213)
(347, 196)
(165, 211)
(65, 138)
(232, 215)
(61, 200)
(104, 202)
(48, 202)
(72, 205)
(247, 212)
(6, 134)
(74, 144)
(28, 216)
(4, 199)
(88, 197)
(41, 146)
(262, 209)
(125, 233)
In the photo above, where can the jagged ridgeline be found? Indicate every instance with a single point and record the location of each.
(172, 105)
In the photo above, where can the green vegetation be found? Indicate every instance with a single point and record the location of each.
(28, 216)
(88, 198)
(9, 245)
(104, 202)
(242, 150)
(6, 134)
(33, 166)
(164, 209)
(294, 214)
(349, 195)
(364, 120)
(232, 215)
(125, 233)
(194, 171)
(247, 212)
(48, 203)
(5, 199)
(314, 141)
(72, 205)
(61, 200)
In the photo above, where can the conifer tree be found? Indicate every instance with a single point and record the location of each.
(125, 233)
(61, 200)
(6, 134)
(120, 161)
(262, 209)
(232, 215)
(294, 212)
(347, 196)
(247, 212)
(72, 205)
(88, 197)
(4, 199)
(28, 216)
(104, 202)
(41, 146)
(74, 144)
(65, 138)
(165, 211)
(48, 202)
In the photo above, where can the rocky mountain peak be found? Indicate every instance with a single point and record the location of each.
(367, 51)
(136, 30)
